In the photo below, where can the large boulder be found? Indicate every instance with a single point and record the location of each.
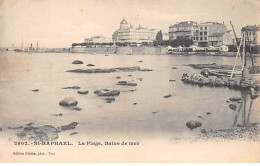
(69, 126)
(77, 62)
(68, 101)
(83, 92)
(192, 124)
(106, 92)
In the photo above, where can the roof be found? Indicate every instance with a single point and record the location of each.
(184, 24)
(223, 46)
(216, 35)
(123, 21)
(251, 28)
(211, 23)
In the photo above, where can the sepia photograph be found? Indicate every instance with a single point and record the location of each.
(129, 81)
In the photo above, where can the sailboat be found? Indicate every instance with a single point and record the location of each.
(21, 48)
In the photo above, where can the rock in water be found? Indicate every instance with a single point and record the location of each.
(35, 90)
(69, 126)
(233, 106)
(92, 70)
(74, 133)
(77, 62)
(234, 98)
(203, 131)
(72, 87)
(167, 96)
(90, 65)
(68, 101)
(83, 92)
(192, 124)
(124, 83)
(110, 99)
(77, 109)
(106, 92)
(39, 133)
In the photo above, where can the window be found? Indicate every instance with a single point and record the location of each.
(200, 28)
(206, 28)
(205, 38)
(197, 38)
(200, 38)
(201, 33)
(205, 33)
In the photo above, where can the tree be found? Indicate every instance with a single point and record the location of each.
(159, 37)
(181, 42)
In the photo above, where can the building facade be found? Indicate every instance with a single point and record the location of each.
(211, 33)
(128, 34)
(187, 29)
(218, 39)
(203, 34)
(253, 34)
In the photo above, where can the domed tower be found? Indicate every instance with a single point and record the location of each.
(123, 24)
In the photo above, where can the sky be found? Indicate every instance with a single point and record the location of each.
(59, 23)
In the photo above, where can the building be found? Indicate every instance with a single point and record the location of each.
(98, 39)
(203, 34)
(253, 34)
(211, 33)
(128, 34)
(218, 39)
(187, 29)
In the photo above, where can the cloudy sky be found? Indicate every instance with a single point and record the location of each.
(59, 23)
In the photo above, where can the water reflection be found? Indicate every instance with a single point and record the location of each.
(244, 111)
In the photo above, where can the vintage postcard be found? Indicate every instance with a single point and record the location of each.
(129, 81)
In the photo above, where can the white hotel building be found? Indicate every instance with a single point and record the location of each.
(130, 34)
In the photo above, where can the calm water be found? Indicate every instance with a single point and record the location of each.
(22, 72)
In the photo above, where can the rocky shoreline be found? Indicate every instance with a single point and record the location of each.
(124, 69)
(250, 132)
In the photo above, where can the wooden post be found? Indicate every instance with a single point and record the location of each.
(250, 51)
(243, 55)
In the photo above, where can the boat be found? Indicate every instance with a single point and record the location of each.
(18, 50)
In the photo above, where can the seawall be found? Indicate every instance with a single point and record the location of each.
(119, 50)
